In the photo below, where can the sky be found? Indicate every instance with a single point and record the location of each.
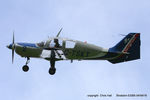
(99, 22)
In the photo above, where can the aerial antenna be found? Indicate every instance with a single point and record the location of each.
(122, 34)
(59, 32)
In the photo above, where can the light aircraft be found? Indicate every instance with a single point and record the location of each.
(57, 48)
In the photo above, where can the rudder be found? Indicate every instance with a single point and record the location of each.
(129, 48)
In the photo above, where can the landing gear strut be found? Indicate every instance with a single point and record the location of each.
(52, 69)
(25, 68)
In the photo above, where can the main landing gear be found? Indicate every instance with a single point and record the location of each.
(25, 68)
(52, 69)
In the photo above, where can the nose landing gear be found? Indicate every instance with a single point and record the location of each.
(25, 68)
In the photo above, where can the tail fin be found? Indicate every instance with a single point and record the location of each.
(128, 48)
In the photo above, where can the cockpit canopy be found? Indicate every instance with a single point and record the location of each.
(57, 43)
(41, 44)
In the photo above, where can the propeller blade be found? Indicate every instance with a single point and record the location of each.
(12, 55)
(59, 32)
(13, 47)
(13, 38)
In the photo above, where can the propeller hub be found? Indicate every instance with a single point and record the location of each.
(9, 46)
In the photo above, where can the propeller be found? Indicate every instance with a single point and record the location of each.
(13, 47)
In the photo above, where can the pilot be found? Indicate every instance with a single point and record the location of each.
(56, 43)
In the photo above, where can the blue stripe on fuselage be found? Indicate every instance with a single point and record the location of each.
(33, 45)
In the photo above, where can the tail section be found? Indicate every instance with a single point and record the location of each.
(127, 49)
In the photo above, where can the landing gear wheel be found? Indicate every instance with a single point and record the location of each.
(52, 71)
(25, 68)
